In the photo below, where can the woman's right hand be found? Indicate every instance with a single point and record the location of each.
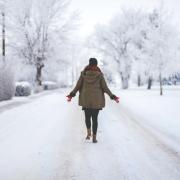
(70, 96)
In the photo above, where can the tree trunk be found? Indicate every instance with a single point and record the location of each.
(149, 83)
(39, 75)
(161, 87)
(139, 81)
(125, 82)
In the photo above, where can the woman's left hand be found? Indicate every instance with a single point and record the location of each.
(69, 98)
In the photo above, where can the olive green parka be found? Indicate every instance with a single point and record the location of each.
(91, 86)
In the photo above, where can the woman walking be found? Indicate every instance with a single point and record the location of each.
(92, 86)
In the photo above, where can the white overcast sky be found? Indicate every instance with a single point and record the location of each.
(101, 11)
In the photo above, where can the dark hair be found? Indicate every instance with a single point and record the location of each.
(93, 61)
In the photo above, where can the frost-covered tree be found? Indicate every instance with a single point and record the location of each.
(40, 31)
(117, 41)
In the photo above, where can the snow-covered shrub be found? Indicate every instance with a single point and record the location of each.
(7, 85)
(23, 89)
(49, 85)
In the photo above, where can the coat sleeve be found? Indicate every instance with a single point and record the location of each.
(105, 87)
(77, 87)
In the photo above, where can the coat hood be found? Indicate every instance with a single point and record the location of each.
(91, 76)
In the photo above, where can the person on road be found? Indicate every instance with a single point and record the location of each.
(92, 86)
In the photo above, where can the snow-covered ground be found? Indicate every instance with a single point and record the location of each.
(158, 113)
(138, 139)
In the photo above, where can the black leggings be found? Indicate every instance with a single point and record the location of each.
(94, 114)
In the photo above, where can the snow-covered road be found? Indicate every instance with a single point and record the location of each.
(45, 140)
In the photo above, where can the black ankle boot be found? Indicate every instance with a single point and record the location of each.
(94, 138)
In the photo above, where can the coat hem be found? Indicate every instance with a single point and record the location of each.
(85, 108)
